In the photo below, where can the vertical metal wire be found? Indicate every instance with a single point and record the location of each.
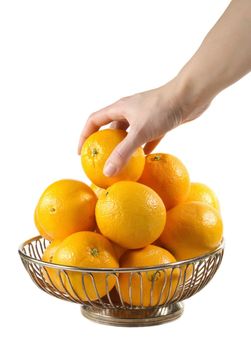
(70, 297)
(76, 296)
(44, 244)
(107, 275)
(140, 288)
(153, 278)
(130, 289)
(84, 289)
(117, 285)
(95, 288)
(50, 287)
(163, 287)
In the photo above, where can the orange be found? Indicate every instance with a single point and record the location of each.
(186, 272)
(65, 207)
(119, 251)
(39, 228)
(50, 250)
(96, 150)
(130, 214)
(168, 176)
(87, 250)
(192, 229)
(202, 193)
(50, 274)
(97, 190)
(152, 279)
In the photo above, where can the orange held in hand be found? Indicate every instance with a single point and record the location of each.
(87, 250)
(156, 280)
(130, 214)
(65, 207)
(96, 150)
(168, 176)
(192, 229)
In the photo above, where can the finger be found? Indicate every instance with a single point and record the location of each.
(121, 154)
(149, 146)
(120, 124)
(96, 120)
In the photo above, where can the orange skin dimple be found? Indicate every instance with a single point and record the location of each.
(168, 176)
(96, 150)
(86, 250)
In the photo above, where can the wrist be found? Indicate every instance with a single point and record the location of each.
(193, 91)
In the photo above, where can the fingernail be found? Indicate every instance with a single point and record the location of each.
(110, 169)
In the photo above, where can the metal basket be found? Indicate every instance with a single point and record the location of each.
(179, 280)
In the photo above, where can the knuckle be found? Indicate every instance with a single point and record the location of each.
(139, 133)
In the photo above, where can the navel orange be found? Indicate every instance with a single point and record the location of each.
(87, 250)
(156, 280)
(130, 214)
(66, 206)
(192, 229)
(202, 193)
(168, 176)
(96, 150)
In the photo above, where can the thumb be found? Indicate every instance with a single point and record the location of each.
(121, 154)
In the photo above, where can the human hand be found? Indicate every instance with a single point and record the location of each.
(148, 115)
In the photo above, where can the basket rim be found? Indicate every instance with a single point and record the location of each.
(117, 269)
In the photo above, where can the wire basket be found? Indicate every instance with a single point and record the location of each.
(159, 302)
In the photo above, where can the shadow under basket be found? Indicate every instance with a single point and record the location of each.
(170, 284)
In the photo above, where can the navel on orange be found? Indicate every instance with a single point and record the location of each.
(168, 176)
(130, 214)
(156, 280)
(65, 207)
(96, 150)
(192, 229)
(87, 250)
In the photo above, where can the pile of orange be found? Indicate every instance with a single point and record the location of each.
(148, 214)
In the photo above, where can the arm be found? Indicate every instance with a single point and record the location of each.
(223, 58)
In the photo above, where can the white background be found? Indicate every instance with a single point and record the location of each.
(62, 60)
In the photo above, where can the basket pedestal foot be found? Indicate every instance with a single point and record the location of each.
(133, 317)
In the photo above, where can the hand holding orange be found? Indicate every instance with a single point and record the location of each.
(96, 150)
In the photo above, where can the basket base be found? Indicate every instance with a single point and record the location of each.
(133, 317)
